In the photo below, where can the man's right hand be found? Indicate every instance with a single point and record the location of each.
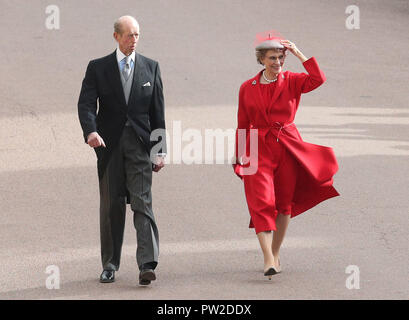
(94, 140)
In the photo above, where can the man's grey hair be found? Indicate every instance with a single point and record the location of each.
(118, 23)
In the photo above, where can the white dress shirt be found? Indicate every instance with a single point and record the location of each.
(120, 56)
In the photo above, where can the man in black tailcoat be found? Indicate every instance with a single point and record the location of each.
(121, 106)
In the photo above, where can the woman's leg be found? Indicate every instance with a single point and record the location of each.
(259, 190)
(266, 239)
(284, 181)
(282, 222)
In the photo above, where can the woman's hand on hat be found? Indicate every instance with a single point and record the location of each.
(293, 49)
(289, 45)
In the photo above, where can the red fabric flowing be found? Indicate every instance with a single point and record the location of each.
(273, 113)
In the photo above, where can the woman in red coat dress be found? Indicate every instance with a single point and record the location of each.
(286, 176)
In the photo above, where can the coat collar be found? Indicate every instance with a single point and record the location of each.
(114, 77)
(138, 75)
(255, 84)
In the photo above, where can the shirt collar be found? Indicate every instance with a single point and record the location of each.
(120, 55)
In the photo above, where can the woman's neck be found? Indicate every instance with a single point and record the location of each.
(270, 75)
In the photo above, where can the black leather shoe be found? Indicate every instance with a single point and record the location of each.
(270, 272)
(107, 276)
(146, 276)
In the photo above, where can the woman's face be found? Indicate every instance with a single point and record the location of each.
(273, 60)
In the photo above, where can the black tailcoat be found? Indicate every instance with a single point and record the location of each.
(102, 106)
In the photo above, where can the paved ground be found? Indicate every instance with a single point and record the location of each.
(48, 180)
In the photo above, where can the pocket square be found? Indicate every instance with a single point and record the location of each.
(148, 84)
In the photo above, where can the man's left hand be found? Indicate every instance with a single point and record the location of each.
(159, 163)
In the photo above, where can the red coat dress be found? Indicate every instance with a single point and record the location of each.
(291, 175)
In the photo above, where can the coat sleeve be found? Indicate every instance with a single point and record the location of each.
(243, 122)
(157, 111)
(307, 82)
(87, 102)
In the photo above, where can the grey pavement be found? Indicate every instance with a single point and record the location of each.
(48, 177)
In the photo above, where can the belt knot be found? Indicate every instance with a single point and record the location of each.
(281, 127)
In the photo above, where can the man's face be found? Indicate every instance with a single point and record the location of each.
(128, 38)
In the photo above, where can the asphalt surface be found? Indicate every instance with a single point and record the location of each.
(48, 178)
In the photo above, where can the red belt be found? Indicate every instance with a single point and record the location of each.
(275, 125)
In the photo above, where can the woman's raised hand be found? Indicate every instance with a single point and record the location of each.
(293, 49)
(290, 46)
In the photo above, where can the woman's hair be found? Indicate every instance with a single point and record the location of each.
(260, 53)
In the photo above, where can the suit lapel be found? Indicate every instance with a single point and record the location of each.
(115, 78)
(255, 84)
(259, 97)
(279, 87)
(139, 70)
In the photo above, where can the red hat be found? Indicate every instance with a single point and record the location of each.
(268, 40)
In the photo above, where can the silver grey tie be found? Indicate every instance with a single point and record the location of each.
(126, 71)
